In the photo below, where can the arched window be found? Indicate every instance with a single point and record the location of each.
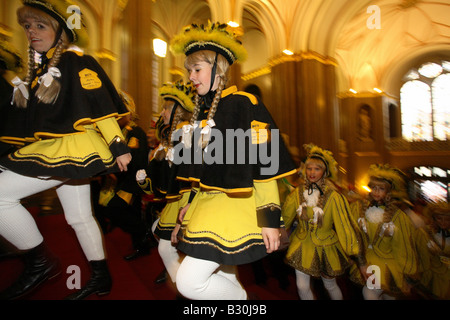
(425, 103)
(430, 183)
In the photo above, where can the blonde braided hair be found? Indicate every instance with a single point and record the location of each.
(222, 71)
(19, 99)
(180, 115)
(47, 95)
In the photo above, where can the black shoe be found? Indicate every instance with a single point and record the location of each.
(162, 277)
(136, 254)
(100, 282)
(40, 265)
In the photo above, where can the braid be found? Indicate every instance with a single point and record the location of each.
(196, 109)
(213, 109)
(19, 100)
(216, 100)
(31, 65)
(49, 95)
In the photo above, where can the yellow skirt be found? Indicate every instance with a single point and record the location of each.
(168, 217)
(222, 228)
(316, 260)
(80, 155)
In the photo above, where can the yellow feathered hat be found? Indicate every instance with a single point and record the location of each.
(327, 158)
(216, 37)
(10, 57)
(68, 14)
(394, 176)
(179, 92)
(129, 103)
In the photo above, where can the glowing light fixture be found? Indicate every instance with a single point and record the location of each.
(367, 188)
(353, 91)
(377, 90)
(288, 52)
(160, 47)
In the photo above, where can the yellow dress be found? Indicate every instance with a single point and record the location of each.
(394, 253)
(211, 231)
(238, 189)
(321, 250)
(434, 258)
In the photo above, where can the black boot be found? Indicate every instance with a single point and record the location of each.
(142, 248)
(162, 277)
(100, 282)
(40, 265)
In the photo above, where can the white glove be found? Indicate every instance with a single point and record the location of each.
(141, 175)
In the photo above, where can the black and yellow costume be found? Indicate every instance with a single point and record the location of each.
(6, 91)
(10, 60)
(78, 136)
(161, 178)
(162, 183)
(224, 221)
(124, 208)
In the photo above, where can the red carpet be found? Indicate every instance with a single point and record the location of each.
(132, 280)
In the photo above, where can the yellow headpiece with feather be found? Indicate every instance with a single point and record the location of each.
(216, 37)
(327, 158)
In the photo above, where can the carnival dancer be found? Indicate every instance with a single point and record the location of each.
(387, 233)
(235, 217)
(67, 132)
(10, 62)
(159, 178)
(325, 236)
(433, 249)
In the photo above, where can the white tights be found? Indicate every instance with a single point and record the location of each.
(207, 280)
(304, 287)
(169, 255)
(375, 294)
(18, 226)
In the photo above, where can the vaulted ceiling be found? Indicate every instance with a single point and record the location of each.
(409, 31)
(367, 57)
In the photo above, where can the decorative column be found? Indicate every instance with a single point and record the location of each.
(139, 53)
(305, 105)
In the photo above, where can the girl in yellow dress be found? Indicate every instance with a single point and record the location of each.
(159, 178)
(235, 217)
(433, 248)
(387, 234)
(325, 236)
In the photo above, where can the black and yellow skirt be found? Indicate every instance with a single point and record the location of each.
(222, 228)
(76, 156)
(169, 216)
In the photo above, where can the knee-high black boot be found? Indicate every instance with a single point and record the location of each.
(100, 282)
(40, 265)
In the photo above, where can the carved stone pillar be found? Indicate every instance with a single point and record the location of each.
(306, 106)
(139, 82)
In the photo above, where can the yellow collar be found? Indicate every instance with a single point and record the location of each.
(50, 53)
(229, 91)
